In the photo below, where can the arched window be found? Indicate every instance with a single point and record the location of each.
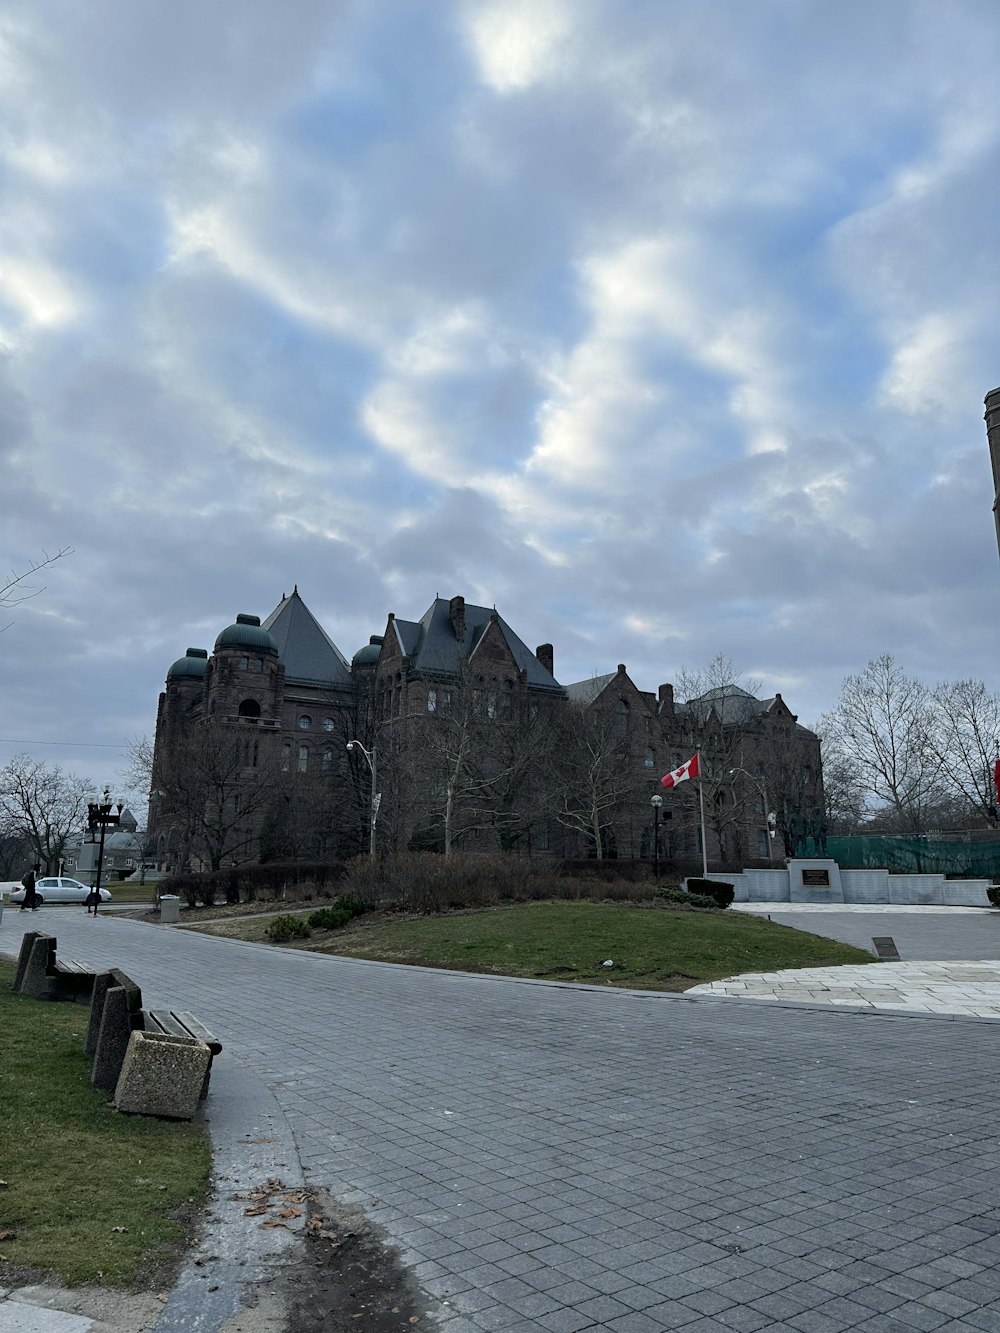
(250, 708)
(305, 722)
(327, 760)
(650, 760)
(621, 717)
(286, 757)
(303, 758)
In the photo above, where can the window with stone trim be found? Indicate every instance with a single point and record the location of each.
(303, 758)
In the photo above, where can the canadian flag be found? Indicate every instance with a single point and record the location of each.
(688, 770)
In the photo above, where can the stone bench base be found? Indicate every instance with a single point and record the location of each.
(162, 1075)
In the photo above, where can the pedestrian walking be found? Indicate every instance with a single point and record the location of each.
(30, 900)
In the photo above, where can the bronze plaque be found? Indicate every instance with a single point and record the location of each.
(885, 947)
(816, 877)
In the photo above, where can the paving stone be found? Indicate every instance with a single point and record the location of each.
(819, 1168)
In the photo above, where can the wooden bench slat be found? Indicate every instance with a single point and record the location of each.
(71, 965)
(165, 1021)
(198, 1029)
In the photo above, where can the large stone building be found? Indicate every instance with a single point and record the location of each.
(466, 739)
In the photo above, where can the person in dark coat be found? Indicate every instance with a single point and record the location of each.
(30, 902)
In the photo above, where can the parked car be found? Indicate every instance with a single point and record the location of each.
(59, 889)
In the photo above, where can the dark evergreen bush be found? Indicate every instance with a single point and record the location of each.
(678, 898)
(285, 928)
(721, 894)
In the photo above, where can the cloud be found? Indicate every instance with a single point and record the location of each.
(517, 43)
(665, 344)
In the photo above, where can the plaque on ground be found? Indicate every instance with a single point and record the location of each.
(885, 947)
(815, 877)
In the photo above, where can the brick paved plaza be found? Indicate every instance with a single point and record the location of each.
(565, 1158)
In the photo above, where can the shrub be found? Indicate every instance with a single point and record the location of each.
(285, 928)
(721, 894)
(328, 918)
(678, 898)
(993, 893)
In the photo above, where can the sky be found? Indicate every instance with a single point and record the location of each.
(663, 326)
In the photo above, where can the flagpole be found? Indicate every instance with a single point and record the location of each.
(701, 806)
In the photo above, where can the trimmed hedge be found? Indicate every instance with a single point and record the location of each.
(678, 898)
(721, 894)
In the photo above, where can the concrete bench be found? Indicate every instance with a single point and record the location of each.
(147, 1078)
(181, 1023)
(43, 975)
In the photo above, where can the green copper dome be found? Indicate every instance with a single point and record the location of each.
(189, 667)
(368, 655)
(247, 633)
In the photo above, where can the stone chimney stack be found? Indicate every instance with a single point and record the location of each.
(665, 694)
(993, 435)
(545, 655)
(456, 611)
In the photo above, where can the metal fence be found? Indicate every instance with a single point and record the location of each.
(978, 860)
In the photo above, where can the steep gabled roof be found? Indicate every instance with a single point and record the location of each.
(434, 649)
(586, 691)
(306, 651)
(733, 706)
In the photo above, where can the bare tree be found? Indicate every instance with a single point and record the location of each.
(844, 797)
(884, 725)
(966, 741)
(478, 752)
(43, 806)
(211, 792)
(594, 775)
(18, 587)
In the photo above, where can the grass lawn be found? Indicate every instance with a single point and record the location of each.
(653, 948)
(88, 1194)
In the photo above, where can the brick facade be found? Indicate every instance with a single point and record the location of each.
(477, 746)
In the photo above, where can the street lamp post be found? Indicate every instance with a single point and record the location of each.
(372, 762)
(99, 816)
(656, 802)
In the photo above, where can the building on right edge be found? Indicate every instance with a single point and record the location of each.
(993, 435)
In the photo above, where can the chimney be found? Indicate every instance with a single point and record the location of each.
(544, 654)
(456, 612)
(665, 694)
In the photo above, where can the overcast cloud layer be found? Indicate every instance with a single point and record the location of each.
(663, 326)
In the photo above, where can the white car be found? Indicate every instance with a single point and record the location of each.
(59, 889)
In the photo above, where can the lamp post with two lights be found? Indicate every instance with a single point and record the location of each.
(99, 816)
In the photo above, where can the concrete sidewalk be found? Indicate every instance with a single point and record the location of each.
(566, 1158)
(964, 941)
